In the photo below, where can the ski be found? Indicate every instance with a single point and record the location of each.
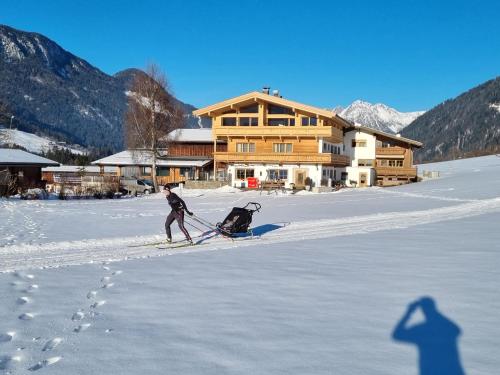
(178, 246)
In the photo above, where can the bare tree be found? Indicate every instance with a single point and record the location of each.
(152, 114)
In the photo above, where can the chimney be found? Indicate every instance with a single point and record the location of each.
(276, 93)
(266, 89)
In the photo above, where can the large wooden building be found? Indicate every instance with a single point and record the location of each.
(271, 138)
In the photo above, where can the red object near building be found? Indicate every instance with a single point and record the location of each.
(252, 182)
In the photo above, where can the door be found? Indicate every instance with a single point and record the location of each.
(363, 179)
(300, 177)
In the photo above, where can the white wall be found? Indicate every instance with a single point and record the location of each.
(260, 171)
(356, 153)
(353, 175)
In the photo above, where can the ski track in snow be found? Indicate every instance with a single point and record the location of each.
(29, 256)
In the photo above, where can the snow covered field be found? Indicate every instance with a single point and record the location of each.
(319, 292)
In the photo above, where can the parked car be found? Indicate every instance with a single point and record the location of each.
(136, 186)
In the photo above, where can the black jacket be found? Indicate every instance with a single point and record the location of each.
(176, 202)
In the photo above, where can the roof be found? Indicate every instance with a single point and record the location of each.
(388, 135)
(255, 96)
(144, 158)
(200, 135)
(77, 168)
(9, 156)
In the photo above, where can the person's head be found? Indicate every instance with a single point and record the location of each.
(428, 305)
(166, 190)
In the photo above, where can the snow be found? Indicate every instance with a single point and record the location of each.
(33, 142)
(201, 135)
(141, 157)
(14, 156)
(495, 106)
(379, 116)
(319, 292)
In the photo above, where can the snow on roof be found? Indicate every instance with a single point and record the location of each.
(19, 157)
(201, 135)
(144, 158)
(77, 168)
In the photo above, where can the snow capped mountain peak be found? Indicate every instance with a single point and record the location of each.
(378, 116)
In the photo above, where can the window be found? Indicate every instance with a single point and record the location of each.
(365, 163)
(229, 121)
(279, 122)
(146, 171)
(250, 109)
(390, 163)
(163, 171)
(309, 121)
(245, 147)
(277, 174)
(244, 173)
(358, 143)
(282, 147)
(249, 121)
(278, 110)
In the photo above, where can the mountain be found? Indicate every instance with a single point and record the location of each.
(377, 116)
(468, 125)
(55, 93)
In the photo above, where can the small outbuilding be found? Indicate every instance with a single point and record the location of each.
(21, 170)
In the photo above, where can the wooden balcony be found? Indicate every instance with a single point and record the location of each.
(276, 158)
(277, 131)
(390, 151)
(396, 171)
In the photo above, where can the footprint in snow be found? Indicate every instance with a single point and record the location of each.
(97, 304)
(105, 279)
(82, 327)
(119, 272)
(46, 362)
(51, 344)
(23, 300)
(7, 336)
(24, 275)
(91, 294)
(7, 361)
(79, 315)
(106, 268)
(26, 316)
(107, 286)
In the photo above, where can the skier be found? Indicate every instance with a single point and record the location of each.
(178, 207)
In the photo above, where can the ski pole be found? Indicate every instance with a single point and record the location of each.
(203, 221)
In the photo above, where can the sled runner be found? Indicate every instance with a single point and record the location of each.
(238, 221)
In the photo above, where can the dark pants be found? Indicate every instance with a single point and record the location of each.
(179, 216)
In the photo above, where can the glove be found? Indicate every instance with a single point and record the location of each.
(189, 213)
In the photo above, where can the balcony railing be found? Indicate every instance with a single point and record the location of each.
(262, 131)
(299, 158)
(379, 151)
(396, 171)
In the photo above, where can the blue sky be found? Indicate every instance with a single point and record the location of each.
(411, 55)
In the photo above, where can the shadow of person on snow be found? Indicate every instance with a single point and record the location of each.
(436, 339)
(266, 228)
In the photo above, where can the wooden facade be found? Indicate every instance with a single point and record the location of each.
(394, 161)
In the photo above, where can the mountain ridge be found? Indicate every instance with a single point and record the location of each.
(55, 93)
(378, 116)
